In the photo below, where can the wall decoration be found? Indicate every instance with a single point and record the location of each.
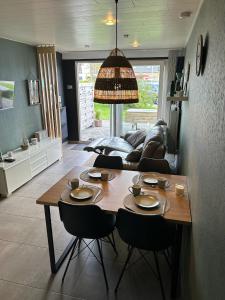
(199, 55)
(205, 52)
(186, 78)
(33, 90)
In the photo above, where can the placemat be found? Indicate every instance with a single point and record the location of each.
(85, 177)
(138, 179)
(65, 196)
(160, 210)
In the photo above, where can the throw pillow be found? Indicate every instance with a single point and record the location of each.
(136, 138)
(159, 152)
(134, 156)
(149, 149)
(160, 122)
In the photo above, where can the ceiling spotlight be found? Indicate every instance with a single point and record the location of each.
(87, 46)
(109, 20)
(185, 14)
(126, 36)
(135, 44)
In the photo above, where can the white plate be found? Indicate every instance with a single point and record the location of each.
(146, 201)
(81, 193)
(95, 174)
(150, 180)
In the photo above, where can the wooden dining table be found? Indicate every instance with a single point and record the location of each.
(113, 194)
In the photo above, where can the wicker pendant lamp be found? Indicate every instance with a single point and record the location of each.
(116, 82)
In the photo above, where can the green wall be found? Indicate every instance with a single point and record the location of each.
(18, 62)
(203, 159)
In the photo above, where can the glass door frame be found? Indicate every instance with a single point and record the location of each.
(116, 109)
(116, 112)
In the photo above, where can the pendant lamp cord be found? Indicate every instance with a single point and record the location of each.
(116, 24)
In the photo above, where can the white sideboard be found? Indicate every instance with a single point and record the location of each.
(28, 163)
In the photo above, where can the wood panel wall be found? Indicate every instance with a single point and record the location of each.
(49, 90)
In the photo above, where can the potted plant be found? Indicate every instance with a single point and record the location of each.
(98, 120)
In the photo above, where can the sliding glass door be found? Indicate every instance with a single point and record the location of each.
(143, 115)
(102, 120)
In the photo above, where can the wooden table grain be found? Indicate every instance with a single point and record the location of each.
(114, 192)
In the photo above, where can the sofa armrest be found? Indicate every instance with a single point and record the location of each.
(91, 147)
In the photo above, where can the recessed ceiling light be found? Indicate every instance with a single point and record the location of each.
(185, 14)
(126, 36)
(135, 44)
(87, 46)
(109, 20)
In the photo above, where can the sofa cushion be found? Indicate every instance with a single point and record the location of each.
(114, 143)
(159, 152)
(134, 156)
(155, 134)
(137, 138)
(140, 147)
(160, 122)
(150, 149)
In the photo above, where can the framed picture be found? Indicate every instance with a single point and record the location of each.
(33, 92)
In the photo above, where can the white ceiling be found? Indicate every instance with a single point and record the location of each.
(72, 24)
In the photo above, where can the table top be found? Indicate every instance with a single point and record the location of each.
(114, 192)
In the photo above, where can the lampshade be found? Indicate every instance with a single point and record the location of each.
(116, 82)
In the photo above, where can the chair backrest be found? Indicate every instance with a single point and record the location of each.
(144, 232)
(154, 165)
(85, 221)
(111, 162)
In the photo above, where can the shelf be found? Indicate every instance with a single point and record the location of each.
(176, 98)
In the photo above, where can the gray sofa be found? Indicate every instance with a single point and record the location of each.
(134, 146)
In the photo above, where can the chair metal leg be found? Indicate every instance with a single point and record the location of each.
(124, 267)
(102, 264)
(72, 252)
(113, 244)
(159, 274)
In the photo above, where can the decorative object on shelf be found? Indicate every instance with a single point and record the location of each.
(33, 90)
(186, 78)
(98, 121)
(116, 82)
(24, 147)
(199, 55)
(172, 88)
(34, 141)
(178, 81)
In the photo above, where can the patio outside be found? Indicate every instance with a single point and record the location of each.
(134, 116)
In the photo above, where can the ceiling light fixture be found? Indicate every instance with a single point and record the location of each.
(135, 44)
(110, 21)
(116, 82)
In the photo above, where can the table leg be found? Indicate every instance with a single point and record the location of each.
(176, 262)
(55, 265)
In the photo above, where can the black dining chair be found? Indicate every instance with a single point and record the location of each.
(143, 232)
(154, 165)
(87, 222)
(110, 162)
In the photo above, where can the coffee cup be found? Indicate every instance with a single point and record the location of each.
(162, 182)
(179, 190)
(135, 189)
(74, 183)
(104, 176)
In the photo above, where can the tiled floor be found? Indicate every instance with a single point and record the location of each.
(24, 262)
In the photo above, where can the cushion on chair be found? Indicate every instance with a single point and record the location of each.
(150, 149)
(134, 156)
(137, 138)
